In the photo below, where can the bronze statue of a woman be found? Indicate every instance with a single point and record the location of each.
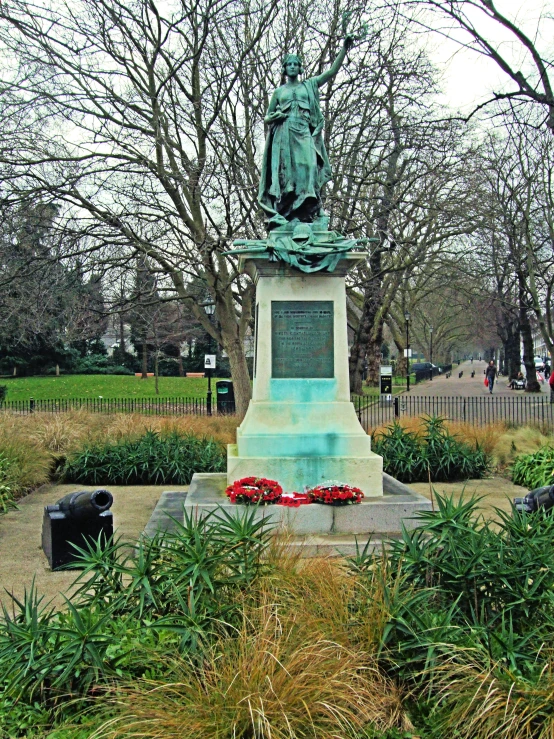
(295, 165)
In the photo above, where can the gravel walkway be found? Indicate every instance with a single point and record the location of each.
(21, 555)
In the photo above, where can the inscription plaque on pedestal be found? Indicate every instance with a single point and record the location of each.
(302, 339)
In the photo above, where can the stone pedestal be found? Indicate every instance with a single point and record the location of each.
(301, 428)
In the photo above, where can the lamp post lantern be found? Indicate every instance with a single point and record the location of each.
(431, 348)
(210, 310)
(407, 319)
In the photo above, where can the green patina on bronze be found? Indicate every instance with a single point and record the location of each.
(302, 339)
(295, 168)
(304, 248)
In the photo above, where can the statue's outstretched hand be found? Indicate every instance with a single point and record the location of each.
(348, 42)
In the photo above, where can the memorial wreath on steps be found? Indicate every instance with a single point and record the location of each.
(261, 491)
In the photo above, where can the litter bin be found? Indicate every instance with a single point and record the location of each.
(225, 396)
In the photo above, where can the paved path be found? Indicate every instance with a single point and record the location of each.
(468, 386)
(464, 399)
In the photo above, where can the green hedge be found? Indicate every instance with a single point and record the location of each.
(153, 459)
(437, 453)
(534, 470)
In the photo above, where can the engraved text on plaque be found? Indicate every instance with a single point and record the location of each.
(302, 338)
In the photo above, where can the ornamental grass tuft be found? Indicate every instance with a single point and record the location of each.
(294, 668)
(277, 678)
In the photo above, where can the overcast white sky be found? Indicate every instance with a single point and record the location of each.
(469, 78)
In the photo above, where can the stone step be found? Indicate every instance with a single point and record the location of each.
(168, 510)
(397, 507)
(338, 545)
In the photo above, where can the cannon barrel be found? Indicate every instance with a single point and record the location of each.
(85, 503)
(535, 499)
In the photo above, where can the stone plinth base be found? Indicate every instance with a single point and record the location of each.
(294, 473)
(301, 428)
(383, 515)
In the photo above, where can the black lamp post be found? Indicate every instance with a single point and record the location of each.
(407, 318)
(431, 348)
(210, 310)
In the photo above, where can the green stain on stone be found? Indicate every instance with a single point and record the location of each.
(303, 391)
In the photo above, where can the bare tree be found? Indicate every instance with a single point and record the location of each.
(134, 94)
(534, 84)
(144, 122)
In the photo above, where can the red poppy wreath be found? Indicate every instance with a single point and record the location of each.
(252, 490)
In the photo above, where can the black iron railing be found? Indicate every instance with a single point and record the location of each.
(534, 410)
(147, 406)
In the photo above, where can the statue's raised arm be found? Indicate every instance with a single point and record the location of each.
(337, 64)
(295, 165)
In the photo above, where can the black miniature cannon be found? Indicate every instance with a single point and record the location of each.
(73, 519)
(535, 499)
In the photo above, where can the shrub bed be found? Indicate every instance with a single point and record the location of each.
(437, 453)
(471, 628)
(170, 598)
(534, 470)
(218, 631)
(153, 459)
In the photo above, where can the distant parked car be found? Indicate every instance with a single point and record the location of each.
(418, 366)
(539, 364)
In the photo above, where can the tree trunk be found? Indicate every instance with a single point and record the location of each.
(512, 359)
(239, 374)
(156, 372)
(358, 351)
(180, 364)
(532, 385)
(231, 331)
(398, 338)
(144, 361)
(374, 358)
(121, 333)
(370, 329)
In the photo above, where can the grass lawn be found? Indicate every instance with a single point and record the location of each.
(108, 386)
(123, 386)
(398, 386)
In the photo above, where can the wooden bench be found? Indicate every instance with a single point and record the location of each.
(148, 374)
(195, 374)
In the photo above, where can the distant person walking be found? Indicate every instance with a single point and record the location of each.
(490, 374)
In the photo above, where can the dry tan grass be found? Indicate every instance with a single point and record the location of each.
(64, 432)
(516, 441)
(293, 670)
(33, 442)
(30, 463)
(490, 702)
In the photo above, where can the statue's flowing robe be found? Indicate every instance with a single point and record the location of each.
(295, 163)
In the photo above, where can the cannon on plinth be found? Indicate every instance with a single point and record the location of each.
(72, 520)
(536, 499)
